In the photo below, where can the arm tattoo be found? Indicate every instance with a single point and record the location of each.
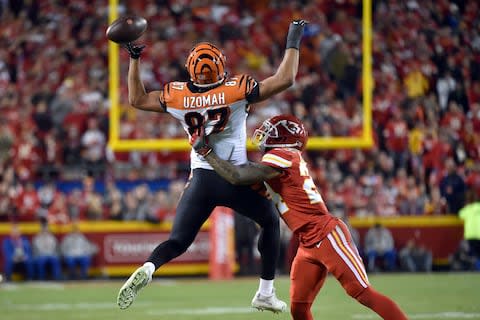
(241, 175)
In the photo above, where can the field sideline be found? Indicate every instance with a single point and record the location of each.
(422, 296)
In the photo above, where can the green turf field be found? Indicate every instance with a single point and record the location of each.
(422, 296)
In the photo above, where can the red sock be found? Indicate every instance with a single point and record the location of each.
(301, 311)
(381, 304)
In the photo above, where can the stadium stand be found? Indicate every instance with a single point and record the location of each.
(54, 101)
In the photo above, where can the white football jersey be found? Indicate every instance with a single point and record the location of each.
(222, 110)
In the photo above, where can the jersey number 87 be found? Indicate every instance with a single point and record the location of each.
(219, 116)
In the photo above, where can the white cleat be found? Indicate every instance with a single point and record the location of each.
(270, 303)
(139, 279)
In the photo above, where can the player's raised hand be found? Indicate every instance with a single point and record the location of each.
(199, 142)
(135, 51)
(295, 33)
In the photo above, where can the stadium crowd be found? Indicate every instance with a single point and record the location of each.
(426, 106)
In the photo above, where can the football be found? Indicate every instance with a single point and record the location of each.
(126, 29)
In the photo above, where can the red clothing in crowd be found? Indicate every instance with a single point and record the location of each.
(396, 134)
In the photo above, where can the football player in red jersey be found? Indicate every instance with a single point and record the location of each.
(325, 242)
(220, 103)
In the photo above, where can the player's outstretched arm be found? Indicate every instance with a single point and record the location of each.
(247, 174)
(287, 71)
(137, 95)
(238, 175)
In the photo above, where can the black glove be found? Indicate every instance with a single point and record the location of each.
(134, 51)
(199, 142)
(295, 33)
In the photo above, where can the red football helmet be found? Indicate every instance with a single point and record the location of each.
(283, 131)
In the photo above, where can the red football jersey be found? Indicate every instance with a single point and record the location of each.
(297, 199)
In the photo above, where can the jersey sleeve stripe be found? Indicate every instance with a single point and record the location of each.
(241, 81)
(276, 160)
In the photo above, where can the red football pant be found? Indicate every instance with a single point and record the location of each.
(338, 255)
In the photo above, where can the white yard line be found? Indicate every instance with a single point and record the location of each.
(437, 315)
(203, 311)
(67, 306)
(35, 285)
(112, 305)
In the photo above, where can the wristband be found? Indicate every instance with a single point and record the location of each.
(295, 33)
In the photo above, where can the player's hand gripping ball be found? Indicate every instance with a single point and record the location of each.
(126, 29)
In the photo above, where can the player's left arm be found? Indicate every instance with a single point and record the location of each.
(241, 175)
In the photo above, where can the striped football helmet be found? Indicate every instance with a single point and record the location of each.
(206, 65)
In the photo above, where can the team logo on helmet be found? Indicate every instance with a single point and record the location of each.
(281, 132)
(206, 64)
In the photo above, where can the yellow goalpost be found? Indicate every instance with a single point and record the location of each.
(314, 143)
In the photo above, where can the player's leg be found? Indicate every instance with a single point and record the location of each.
(193, 209)
(339, 255)
(306, 279)
(41, 266)
(371, 260)
(56, 267)
(29, 268)
(8, 269)
(258, 208)
(70, 264)
(389, 260)
(84, 263)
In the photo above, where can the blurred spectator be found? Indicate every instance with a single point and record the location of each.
(452, 187)
(379, 244)
(414, 257)
(6, 141)
(58, 210)
(77, 252)
(470, 214)
(473, 182)
(113, 201)
(45, 253)
(28, 203)
(246, 232)
(94, 143)
(72, 147)
(416, 84)
(435, 204)
(285, 238)
(396, 137)
(131, 204)
(445, 85)
(143, 212)
(76, 205)
(463, 260)
(161, 206)
(17, 254)
(46, 196)
(93, 206)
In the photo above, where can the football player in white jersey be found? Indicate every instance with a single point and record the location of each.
(213, 100)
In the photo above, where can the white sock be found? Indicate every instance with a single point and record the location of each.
(150, 267)
(266, 287)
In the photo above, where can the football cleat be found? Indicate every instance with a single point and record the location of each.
(139, 279)
(270, 303)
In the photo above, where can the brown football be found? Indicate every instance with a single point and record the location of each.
(126, 29)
